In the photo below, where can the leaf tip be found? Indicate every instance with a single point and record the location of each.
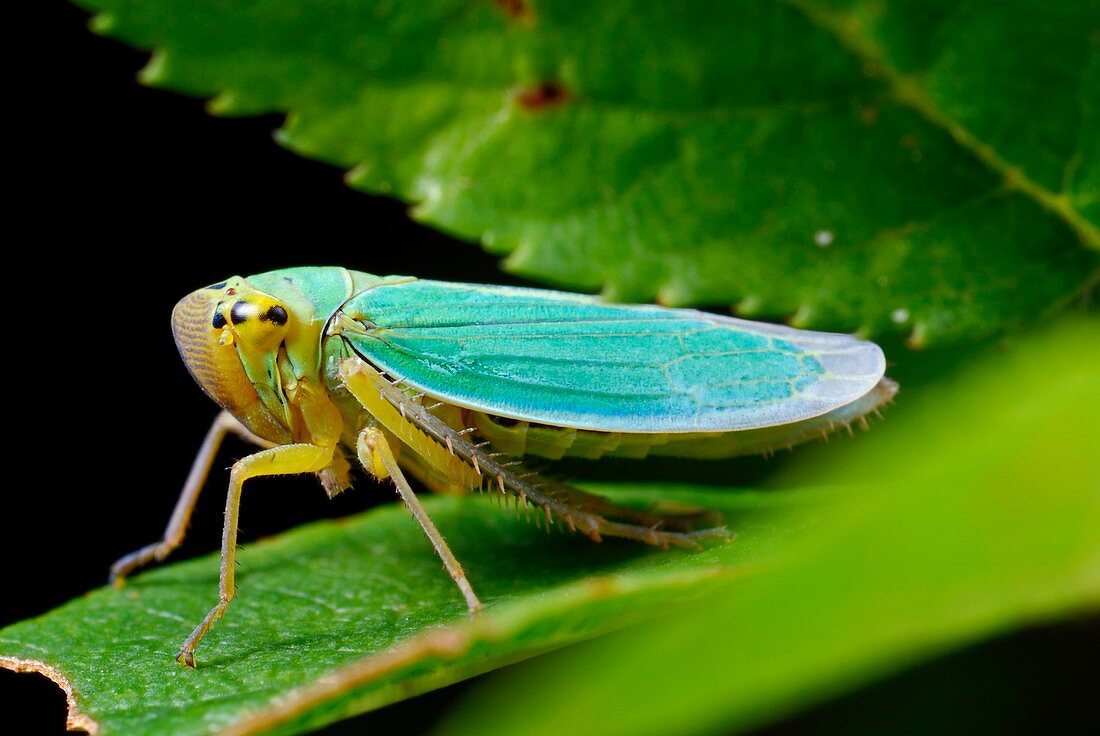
(674, 294)
(492, 242)
(366, 178)
(155, 72)
(428, 191)
(918, 338)
(286, 139)
(357, 176)
(865, 331)
(521, 258)
(103, 23)
(615, 291)
(748, 306)
(803, 317)
(223, 104)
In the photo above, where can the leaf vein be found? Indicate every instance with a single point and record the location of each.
(908, 92)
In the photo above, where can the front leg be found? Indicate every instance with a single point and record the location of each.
(281, 460)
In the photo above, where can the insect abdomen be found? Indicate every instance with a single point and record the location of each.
(521, 438)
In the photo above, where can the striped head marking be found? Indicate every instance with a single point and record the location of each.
(229, 335)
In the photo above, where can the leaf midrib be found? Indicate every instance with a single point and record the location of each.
(907, 91)
(904, 89)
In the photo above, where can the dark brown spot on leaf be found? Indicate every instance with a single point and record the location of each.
(542, 96)
(519, 9)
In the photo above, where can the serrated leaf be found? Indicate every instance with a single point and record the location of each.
(908, 166)
(366, 599)
(977, 516)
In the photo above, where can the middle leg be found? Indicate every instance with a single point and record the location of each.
(378, 459)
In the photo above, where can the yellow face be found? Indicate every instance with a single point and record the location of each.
(221, 329)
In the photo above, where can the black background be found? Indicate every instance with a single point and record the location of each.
(146, 197)
(130, 198)
(127, 199)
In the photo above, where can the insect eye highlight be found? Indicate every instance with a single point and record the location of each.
(242, 311)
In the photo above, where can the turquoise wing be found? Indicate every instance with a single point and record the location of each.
(572, 361)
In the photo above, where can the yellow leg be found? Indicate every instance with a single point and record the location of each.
(181, 515)
(377, 457)
(281, 460)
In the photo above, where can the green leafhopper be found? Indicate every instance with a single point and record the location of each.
(455, 384)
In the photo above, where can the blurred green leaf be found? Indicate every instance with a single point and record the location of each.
(911, 166)
(978, 515)
(323, 607)
(975, 516)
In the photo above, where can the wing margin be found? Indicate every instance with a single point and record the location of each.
(570, 360)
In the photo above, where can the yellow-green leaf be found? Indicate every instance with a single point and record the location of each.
(976, 516)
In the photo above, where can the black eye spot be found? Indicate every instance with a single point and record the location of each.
(219, 320)
(240, 311)
(275, 314)
(215, 287)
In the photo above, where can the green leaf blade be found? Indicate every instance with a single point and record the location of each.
(838, 163)
(336, 595)
(987, 524)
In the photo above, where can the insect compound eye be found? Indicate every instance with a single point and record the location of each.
(275, 314)
(242, 311)
(258, 321)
